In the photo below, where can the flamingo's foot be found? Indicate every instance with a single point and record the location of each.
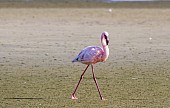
(73, 97)
(103, 99)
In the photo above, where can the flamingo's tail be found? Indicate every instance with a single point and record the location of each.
(75, 60)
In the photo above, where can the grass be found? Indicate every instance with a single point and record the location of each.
(131, 86)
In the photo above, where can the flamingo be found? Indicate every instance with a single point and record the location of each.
(91, 55)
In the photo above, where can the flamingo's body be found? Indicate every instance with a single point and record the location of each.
(91, 55)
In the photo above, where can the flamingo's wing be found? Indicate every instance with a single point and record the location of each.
(89, 55)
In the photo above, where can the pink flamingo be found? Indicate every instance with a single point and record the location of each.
(91, 55)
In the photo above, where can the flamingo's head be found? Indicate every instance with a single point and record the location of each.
(105, 38)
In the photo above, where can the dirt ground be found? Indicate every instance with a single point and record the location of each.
(38, 45)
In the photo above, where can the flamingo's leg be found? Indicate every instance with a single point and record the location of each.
(73, 95)
(96, 83)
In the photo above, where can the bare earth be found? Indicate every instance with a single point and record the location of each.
(37, 46)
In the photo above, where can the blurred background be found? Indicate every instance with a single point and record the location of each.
(86, 3)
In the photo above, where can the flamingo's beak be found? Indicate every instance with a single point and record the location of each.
(107, 42)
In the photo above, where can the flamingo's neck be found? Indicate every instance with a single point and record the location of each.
(106, 52)
(105, 41)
